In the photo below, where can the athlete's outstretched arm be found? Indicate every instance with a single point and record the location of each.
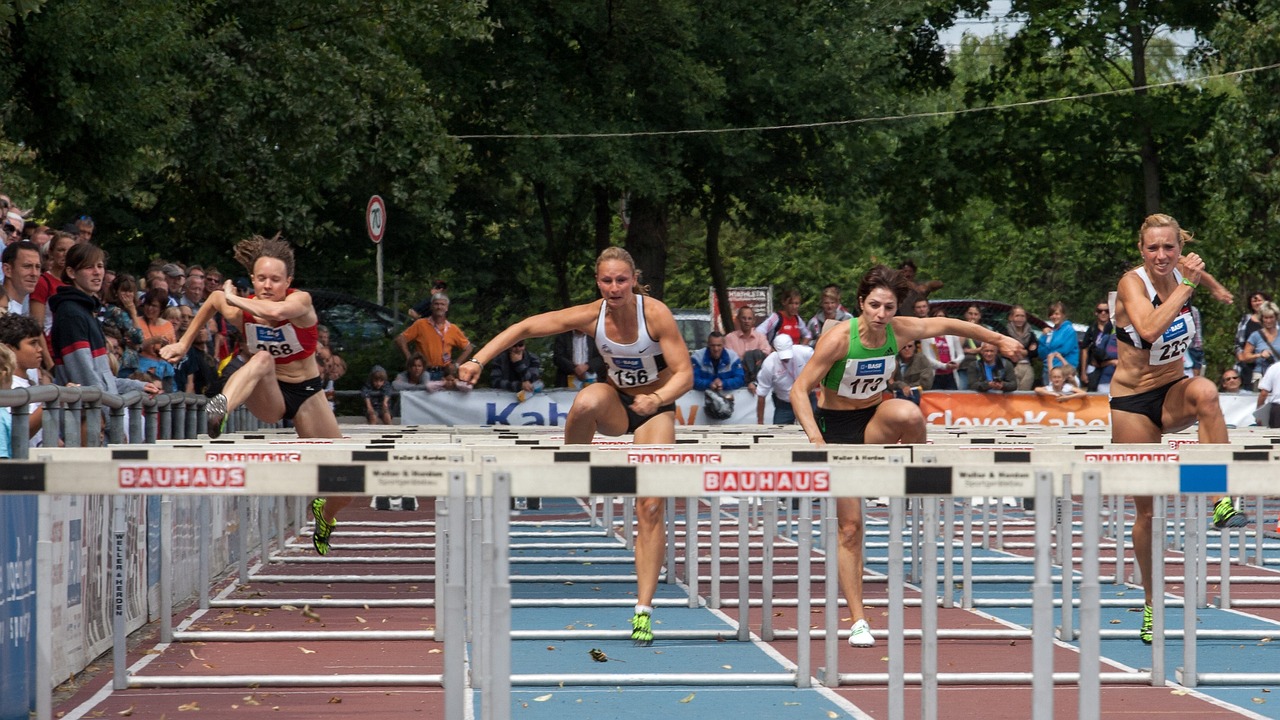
(215, 303)
(579, 317)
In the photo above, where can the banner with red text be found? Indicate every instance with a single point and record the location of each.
(970, 408)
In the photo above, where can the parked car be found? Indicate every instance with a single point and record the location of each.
(352, 320)
(995, 314)
(695, 326)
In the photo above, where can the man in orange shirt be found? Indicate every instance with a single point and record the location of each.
(441, 342)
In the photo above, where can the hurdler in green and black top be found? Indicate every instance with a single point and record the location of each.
(866, 372)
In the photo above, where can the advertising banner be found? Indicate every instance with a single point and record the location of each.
(496, 407)
(969, 408)
(760, 299)
(17, 605)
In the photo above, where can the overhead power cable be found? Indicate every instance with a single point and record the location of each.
(861, 121)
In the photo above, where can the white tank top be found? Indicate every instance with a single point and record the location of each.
(1174, 341)
(635, 364)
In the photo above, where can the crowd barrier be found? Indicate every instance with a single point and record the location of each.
(78, 540)
(476, 471)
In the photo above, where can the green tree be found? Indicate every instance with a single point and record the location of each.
(186, 126)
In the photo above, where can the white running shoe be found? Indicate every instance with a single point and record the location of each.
(860, 635)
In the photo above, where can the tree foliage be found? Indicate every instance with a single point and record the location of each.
(184, 126)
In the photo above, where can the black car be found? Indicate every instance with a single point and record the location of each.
(995, 314)
(352, 320)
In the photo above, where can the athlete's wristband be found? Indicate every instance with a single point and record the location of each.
(1185, 281)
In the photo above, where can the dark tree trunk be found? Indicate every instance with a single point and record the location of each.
(716, 217)
(556, 254)
(603, 219)
(647, 242)
(1147, 152)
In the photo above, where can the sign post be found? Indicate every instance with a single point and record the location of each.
(375, 220)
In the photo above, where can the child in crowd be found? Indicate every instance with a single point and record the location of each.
(449, 381)
(8, 366)
(377, 397)
(1058, 386)
(22, 335)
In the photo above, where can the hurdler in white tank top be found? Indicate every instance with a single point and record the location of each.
(634, 364)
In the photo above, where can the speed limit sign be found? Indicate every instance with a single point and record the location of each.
(375, 218)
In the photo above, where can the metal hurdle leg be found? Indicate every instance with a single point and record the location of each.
(766, 581)
(966, 566)
(1202, 554)
(917, 541)
(716, 519)
(999, 543)
(1090, 691)
(831, 590)
(282, 522)
(628, 524)
(1158, 528)
(1259, 533)
(1042, 593)
(744, 575)
(986, 523)
(264, 529)
(166, 569)
(804, 548)
(498, 687)
(1119, 549)
(691, 550)
(1192, 562)
(948, 551)
(204, 533)
(454, 597)
(670, 507)
(1224, 566)
(897, 665)
(242, 539)
(1065, 531)
(482, 663)
(929, 609)
(119, 528)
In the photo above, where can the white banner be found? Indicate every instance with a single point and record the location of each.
(499, 407)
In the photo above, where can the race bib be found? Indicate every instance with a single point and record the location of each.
(866, 377)
(281, 342)
(1173, 344)
(632, 371)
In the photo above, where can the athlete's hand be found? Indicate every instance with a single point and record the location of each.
(173, 352)
(469, 371)
(645, 405)
(229, 289)
(1192, 267)
(1011, 348)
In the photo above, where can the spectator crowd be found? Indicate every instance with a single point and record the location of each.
(69, 317)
